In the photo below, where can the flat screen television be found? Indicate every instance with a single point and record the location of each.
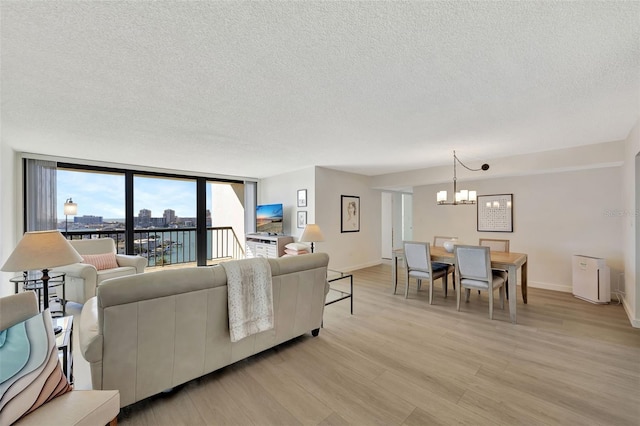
(269, 219)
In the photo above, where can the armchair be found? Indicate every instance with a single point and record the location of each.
(82, 279)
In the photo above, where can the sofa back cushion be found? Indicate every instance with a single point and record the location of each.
(95, 246)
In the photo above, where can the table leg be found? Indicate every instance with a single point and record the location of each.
(513, 291)
(394, 272)
(523, 285)
(351, 278)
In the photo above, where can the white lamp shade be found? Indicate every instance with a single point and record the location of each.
(441, 196)
(41, 250)
(473, 195)
(311, 234)
(70, 208)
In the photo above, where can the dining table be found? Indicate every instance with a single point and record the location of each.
(507, 261)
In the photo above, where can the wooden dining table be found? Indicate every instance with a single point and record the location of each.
(508, 261)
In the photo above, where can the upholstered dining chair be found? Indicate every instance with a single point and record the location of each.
(498, 245)
(495, 245)
(438, 241)
(417, 259)
(473, 270)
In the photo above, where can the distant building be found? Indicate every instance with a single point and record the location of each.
(88, 220)
(169, 217)
(209, 222)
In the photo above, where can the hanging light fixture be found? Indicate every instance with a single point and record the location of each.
(463, 196)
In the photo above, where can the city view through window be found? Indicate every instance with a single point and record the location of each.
(164, 219)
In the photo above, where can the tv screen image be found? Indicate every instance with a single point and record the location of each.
(269, 218)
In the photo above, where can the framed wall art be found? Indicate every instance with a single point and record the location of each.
(495, 213)
(302, 198)
(350, 213)
(302, 219)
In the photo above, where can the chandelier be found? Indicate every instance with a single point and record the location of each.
(463, 196)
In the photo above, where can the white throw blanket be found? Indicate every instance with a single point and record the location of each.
(249, 297)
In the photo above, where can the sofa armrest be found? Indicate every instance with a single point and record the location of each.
(78, 407)
(80, 270)
(137, 262)
(90, 339)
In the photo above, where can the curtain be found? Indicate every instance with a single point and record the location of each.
(250, 203)
(40, 195)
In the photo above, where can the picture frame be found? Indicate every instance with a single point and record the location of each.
(302, 219)
(349, 213)
(495, 213)
(302, 198)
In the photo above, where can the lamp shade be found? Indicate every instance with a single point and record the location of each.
(70, 208)
(311, 234)
(41, 250)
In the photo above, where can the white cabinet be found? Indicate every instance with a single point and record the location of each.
(591, 279)
(266, 245)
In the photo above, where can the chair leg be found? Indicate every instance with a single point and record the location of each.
(502, 293)
(406, 286)
(445, 285)
(490, 303)
(458, 297)
(431, 291)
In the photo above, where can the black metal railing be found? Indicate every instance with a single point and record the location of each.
(170, 246)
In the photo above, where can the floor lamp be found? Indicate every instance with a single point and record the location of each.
(311, 234)
(41, 250)
(70, 209)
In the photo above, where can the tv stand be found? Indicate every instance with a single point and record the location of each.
(266, 245)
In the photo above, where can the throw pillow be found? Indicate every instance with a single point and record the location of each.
(295, 252)
(297, 246)
(30, 373)
(101, 261)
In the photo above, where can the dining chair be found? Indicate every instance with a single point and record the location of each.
(498, 245)
(417, 258)
(473, 270)
(495, 245)
(438, 241)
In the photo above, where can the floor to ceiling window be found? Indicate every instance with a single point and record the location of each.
(170, 219)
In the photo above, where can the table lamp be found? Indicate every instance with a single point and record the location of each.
(41, 250)
(311, 234)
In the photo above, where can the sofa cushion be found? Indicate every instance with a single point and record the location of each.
(30, 374)
(101, 261)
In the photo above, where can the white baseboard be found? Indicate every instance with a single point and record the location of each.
(549, 286)
(634, 322)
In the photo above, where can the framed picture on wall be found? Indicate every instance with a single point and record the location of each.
(495, 213)
(302, 198)
(302, 219)
(350, 213)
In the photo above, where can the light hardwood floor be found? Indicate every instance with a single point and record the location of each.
(405, 362)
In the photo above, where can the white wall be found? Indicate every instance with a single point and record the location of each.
(227, 208)
(630, 216)
(11, 206)
(351, 250)
(284, 189)
(556, 215)
(386, 224)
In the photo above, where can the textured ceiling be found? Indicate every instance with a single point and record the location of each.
(261, 88)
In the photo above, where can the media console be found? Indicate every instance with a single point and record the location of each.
(266, 245)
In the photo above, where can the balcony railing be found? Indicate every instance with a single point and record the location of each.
(171, 246)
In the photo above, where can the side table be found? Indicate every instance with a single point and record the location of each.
(33, 281)
(64, 341)
(342, 294)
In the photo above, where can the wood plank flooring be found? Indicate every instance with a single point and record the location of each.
(402, 361)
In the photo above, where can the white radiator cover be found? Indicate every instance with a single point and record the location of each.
(591, 279)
